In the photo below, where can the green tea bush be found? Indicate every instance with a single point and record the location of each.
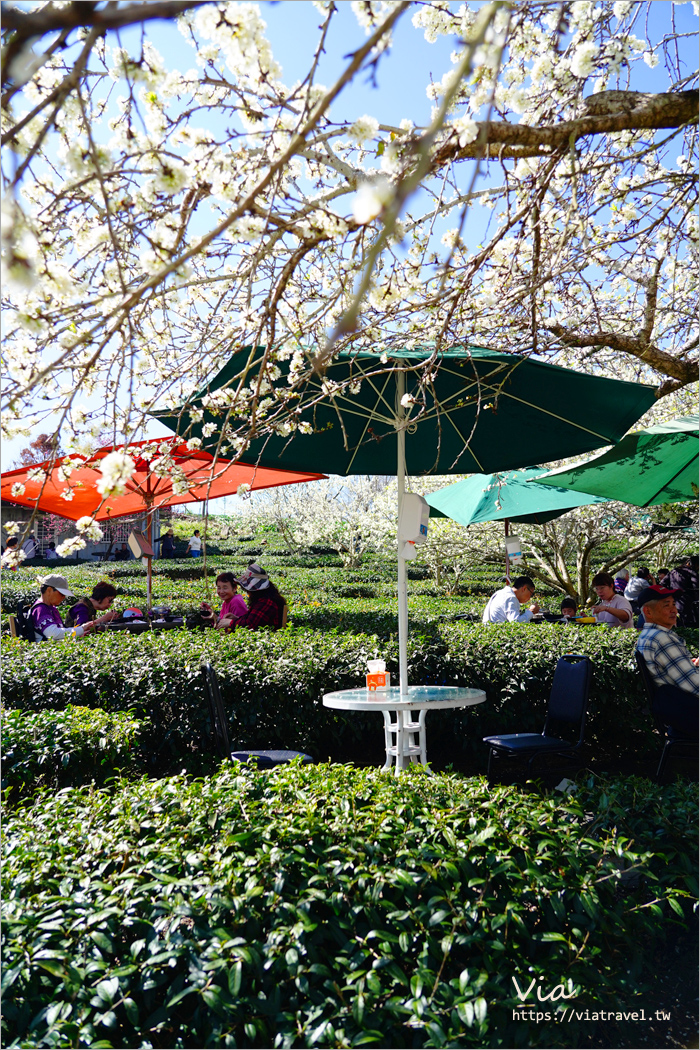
(73, 746)
(273, 683)
(333, 907)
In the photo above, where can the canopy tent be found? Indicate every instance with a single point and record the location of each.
(166, 472)
(476, 410)
(656, 465)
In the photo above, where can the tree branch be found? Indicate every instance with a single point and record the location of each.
(635, 112)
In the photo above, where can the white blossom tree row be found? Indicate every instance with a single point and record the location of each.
(157, 219)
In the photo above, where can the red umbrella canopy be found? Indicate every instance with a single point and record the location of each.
(127, 479)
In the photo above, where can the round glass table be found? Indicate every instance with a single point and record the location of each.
(404, 733)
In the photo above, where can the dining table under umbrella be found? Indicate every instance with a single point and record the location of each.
(415, 412)
(166, 472)
(648, 467)
(508, 496)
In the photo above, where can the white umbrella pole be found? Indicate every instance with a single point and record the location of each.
(402, 588)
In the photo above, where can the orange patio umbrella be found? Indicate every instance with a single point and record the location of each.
(166, 472)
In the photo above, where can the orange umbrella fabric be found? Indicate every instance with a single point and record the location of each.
(162, 467)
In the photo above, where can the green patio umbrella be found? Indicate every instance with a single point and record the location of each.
(656, 465)
(477, 410)
(512, 496)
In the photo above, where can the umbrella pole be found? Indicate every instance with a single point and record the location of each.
(149, 567)
(507, 558)
(402, 588)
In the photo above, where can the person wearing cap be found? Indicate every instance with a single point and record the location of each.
(613, 609)
(103, 594)
(266, 606)
(504, 605)
(44, 614)
(674, 670)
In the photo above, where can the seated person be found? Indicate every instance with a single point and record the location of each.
(674, 670)
(568, 608)
(233, 606)
(638, 583)
(86, 609)
(622, 578)
(504, 605)
(122, 554)
(45, 616)
(265, 603)
(613, 609)
(51, 552)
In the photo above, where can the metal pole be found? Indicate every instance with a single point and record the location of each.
(149, 567)
(507, 558)
(401, 480)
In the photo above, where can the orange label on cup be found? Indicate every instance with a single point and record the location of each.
(378, 681)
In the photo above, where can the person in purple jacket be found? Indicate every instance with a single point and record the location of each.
(44, 614)
(103, 594)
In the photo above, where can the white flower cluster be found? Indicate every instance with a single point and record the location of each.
(364, 128)
(116, 469)
(371, 200)
(89, 528)
(70, 546)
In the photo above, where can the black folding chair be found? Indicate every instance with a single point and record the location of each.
(674, 740)
(262, 759)
(566, 712)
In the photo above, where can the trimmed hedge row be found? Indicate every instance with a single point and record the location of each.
(273, 683)
(329, 906)
(57, 748)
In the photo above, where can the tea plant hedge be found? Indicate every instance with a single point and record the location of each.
(57, 748)
(333, 907)
(273, 684)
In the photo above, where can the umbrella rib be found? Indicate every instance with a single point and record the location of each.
(369, 420)
(465, 444)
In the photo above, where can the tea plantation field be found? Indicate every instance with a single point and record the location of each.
(155, 897)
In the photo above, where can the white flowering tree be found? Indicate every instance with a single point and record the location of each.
(156, 219)
(354, 516)
(604, 537)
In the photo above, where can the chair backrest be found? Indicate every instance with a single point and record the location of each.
(568, 700)
(651, 689)
(216, 711)
(649, 683)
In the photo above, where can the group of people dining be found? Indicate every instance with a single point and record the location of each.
(265, 607)
(619, 597)
(672, 668)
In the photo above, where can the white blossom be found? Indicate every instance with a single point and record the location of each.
(363, 129)
(371, 199)
(17, 489)
(70, 546)
(89, 528)
(116, 469)
(583, 59)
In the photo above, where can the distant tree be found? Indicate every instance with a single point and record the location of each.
(44, 447)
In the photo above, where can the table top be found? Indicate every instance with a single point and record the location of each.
(428, 697)
(141, 626)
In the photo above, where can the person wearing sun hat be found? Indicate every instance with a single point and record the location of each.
(266, 606)
(44, 614)
(674, 670)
